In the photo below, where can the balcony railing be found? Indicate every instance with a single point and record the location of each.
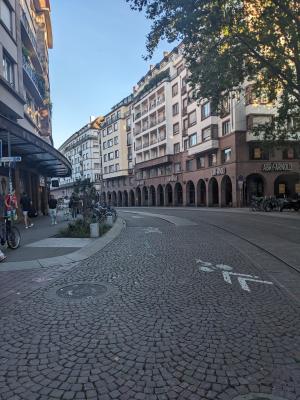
(184, 111)
(183, 90)
(146, 144)
(28, 29)
(138, 115)
(144, 111)
(145, 127)
(35, 78)
(153, 141)
(160, 100)
(153, 123)
(209, 144)
(138, 147)
(152, 104)
(162, 137)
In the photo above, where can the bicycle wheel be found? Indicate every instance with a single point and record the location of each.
(13, 238)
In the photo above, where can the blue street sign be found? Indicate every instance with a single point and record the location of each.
(11, 159)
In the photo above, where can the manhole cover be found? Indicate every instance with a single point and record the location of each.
(81, 291)
(258, 396)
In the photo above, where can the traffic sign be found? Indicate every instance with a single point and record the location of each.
(11, 159)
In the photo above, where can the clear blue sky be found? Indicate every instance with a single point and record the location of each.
(96, 59)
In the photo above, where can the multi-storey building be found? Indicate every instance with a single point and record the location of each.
(25, 105)
(83, 150)
(117, 151)
(184, 154)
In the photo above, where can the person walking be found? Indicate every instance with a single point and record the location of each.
(26, 204)
(73, 205)
(52, 203)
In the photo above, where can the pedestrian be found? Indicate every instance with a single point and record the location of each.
(52, 203)
(26, 205)
(73, 205)
(2, 225)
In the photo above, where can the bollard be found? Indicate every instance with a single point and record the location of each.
(94, 230)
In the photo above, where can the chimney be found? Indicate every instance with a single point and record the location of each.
(151, 67)
(166, 53)
(92, 118)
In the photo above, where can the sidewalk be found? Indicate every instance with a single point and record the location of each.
(31, 248)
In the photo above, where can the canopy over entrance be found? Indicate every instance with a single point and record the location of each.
(35, 152)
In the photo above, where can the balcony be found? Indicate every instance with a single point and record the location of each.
(152, 104)
(210, 144)
(35, 81)
(184, 132)
(183, 90)
(128, 128)
(145, 127)
(160, 100)
(184, 111)
(138, 147)
(167, 159)
(146, 144)
(153, 122)
(30, 37)
(144, 111)
(137, 115)
(153, 141)
(161, 118)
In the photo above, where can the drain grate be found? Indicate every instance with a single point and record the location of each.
(81, 291)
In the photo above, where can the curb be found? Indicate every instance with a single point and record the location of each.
(78, 255)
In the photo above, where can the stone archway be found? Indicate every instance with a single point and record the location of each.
(160, 196)
(169, 195)
(138, 196)
(145, 196)
(119, 199)
(125, 198)
(103, 198)
(226, 191)
(109, 198)
(285, 185)
(213, 193)
(131, 198)
(190, 194)
(255, 186)
(178, 194)
(152, 196)
(201, 193)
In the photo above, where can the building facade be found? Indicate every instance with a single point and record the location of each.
(83, 150)
(25, 105)
(184, 154)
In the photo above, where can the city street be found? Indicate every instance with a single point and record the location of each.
(178, 306)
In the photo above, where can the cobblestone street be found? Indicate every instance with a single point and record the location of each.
(171, 312)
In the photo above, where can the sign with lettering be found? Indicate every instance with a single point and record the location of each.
(277, 166)
(218, 171)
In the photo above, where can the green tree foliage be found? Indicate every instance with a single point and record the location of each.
(229, 42)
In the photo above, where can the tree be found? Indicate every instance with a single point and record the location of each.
(229, 42)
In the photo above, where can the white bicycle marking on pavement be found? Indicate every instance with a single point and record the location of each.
(206, 266)
(137, 217)
(151, 229)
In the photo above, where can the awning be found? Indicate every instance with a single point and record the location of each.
(34, 151)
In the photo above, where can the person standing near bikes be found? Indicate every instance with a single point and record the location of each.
(2, 225)
(26, 204)
(52, 203)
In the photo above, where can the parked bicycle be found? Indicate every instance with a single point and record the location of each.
(271, 204)
(257, 203)
(10, 234)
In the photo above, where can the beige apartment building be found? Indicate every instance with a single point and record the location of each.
(25, 105)
(117, 150)
(185, 155)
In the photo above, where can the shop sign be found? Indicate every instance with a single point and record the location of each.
(276, 166)
(42, 181)
(218, 171)
(281, 188)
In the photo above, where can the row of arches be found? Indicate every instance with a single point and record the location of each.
(201, 194)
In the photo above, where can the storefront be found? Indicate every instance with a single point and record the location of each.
(38, 162)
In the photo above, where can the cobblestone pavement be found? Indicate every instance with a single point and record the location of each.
(161, 323)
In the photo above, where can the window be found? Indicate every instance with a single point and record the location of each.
(175, 89)
(185, 124)
(6, 15)
(225, 127)
(185, 144)
(117, 167)
(289, 154)
(212, 159)
(175, 109)
(110, 156)
(189, 165)
(258, 153)
(192, 118)
(177, 167)
(110, 143)
(8, 69)
(193, 140)
(116, 126)
(96, 165)
(200, 162)
(109, 129)
(226, 155)
(225, 107)
(116, 140)
(176, 128)
(111, 168)
(209, 133)
(180, 69)
(104, 145)
(117, 154)
(176, 148)
(104, 132)
(205, 110)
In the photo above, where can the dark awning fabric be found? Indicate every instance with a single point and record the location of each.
(34, 151)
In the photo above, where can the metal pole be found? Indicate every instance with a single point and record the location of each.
(9, 168)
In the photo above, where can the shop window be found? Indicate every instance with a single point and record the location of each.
(189, 165)
(200, 161)
(258, 153)
(226, 155)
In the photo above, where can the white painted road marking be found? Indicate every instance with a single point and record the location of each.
(206, 266)
(152, 230)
